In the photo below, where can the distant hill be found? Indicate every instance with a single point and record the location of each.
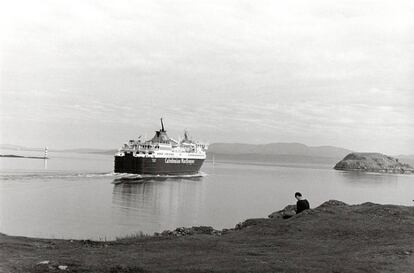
(87, 151)
(277, 152)
(406, 158)
(19, 148)
(107, 152)
(272, 152)
(77, 150)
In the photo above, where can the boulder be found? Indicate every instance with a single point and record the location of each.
(333, 203)
(250, 222)
(185, 231)
(287, 212)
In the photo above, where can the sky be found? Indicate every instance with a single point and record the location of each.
(83, 73)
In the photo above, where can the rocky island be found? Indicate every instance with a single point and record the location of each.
(334, 237)
(373, 162)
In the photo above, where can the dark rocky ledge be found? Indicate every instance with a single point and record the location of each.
(373, 162)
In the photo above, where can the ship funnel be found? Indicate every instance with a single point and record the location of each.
(162, 126)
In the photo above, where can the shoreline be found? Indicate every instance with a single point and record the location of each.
(377, 171)
(334, 237)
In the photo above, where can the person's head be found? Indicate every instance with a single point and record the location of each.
(298, 195)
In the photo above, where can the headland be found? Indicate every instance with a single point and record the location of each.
(334, 237)
(20, 156)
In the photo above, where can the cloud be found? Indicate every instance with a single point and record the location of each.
(234, 69)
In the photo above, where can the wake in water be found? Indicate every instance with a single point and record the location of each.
(139, 178)
(117, 177)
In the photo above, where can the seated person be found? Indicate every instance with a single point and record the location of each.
(302, 204)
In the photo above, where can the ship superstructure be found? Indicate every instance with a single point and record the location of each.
(161, 155)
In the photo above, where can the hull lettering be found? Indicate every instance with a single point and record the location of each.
(178, 161)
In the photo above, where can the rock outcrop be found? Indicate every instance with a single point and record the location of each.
(285, 213)
(373, 162)
(184, 231)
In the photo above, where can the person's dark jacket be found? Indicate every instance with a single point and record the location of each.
(302, 205)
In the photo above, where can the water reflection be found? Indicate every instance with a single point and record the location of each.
(157, 203)
(137, 179)
(356, 177)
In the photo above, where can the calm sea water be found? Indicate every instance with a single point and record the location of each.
(77, 196)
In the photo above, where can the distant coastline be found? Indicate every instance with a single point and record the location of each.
(20, 156)
(271, 153)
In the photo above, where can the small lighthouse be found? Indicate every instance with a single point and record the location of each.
(45, 159)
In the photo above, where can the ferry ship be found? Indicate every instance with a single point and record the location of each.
(161, 155)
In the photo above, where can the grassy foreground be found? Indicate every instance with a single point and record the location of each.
(334, 237)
